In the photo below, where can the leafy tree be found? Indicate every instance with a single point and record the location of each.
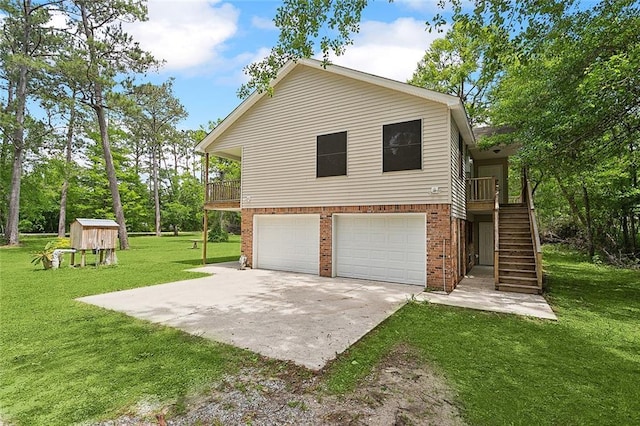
(91, 195)
(455, 65)
(305, 25)
(156, 114)
(574, 105)
(183, 208)
(25, 43)
(309, 27)
(103, 51)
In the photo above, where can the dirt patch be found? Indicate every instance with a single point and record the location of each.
(400, 391)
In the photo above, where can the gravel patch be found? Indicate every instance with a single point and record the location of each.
(400, 391)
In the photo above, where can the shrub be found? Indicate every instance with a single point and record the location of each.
(45, 255)
(217, 234)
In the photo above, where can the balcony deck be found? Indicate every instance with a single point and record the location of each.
(223, 195)
(481, 194)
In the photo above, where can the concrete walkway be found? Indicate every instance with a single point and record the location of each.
(297, 317)
(477, 291)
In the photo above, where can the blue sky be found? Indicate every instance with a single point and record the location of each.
(205, 45)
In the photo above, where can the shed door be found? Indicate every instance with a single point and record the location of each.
(289, 242)
(381, 247)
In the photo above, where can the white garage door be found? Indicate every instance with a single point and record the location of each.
(381, 247)
(287, 242)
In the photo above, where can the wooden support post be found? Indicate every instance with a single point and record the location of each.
(205, 223)
(101, 256)
(83, 258)
(73, 259)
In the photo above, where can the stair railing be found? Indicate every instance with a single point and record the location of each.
(533, 226)
(496, 235)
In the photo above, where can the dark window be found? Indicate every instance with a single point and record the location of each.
(332, 155)
(402, 146)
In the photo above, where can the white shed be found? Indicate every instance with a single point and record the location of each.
(100, 235)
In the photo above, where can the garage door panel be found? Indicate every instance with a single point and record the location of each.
(288, 242)
(381, 247)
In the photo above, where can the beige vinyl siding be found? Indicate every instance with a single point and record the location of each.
(458, 185)
(278, 136)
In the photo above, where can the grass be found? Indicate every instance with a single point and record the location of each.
(65, 362)
(584, 369)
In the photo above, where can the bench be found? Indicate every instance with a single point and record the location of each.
(195, 242)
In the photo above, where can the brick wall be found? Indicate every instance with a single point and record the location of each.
(441, 249)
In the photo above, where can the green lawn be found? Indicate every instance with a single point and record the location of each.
(63, 362)
(584, 369)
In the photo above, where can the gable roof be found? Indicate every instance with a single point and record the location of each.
(453, 103)
(97, 223)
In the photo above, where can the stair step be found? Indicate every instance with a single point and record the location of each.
(521, 266)
(522, 253)
(515, 251)
(514, 244)
(517, 273)
(518, 288)
(512, 257)
(515, 238)
(518, 280)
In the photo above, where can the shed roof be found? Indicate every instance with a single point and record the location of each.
(98, 223)
(453, 103)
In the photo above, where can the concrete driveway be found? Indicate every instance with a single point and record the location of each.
(297, 317)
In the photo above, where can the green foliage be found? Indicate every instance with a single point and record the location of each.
(44, 256)
(216, 233)
(306, 27)
(456, 65)
(93, 198)
(573, 106)
(182, 204)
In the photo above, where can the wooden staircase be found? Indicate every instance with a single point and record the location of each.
(517, 269)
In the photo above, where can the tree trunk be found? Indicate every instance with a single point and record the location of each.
(98, 107)
(572, 203)
(632, 213)
(156, 192)
(13, 217)
(625, 232)
(587, 211)
(111, 171)
(62, 220)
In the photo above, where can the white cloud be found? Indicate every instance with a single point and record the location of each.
(263, 23)
(234, 74)
(390, 50)
(57, 20)
(186, 34)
